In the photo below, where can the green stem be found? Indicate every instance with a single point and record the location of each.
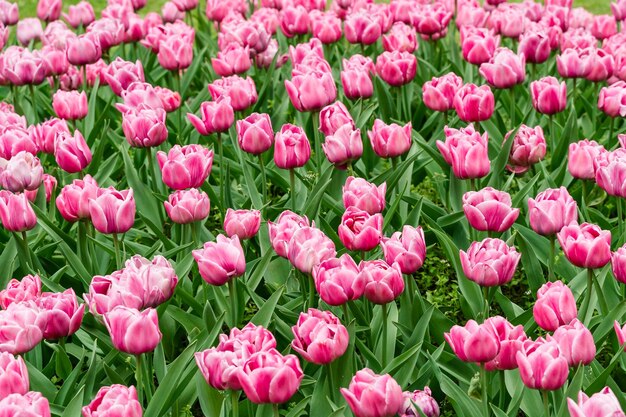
(27, 250)
(513, 107)
(275, 408)
(385, 316)
(574, 92)
(116, 246)
(552, 138)
(611, 127)
(346, 317)
(232, 293)
(552, 256)
(502, 400)
(234, 402)
(484, 388)
(263, 179)
(486, 297)
(292, 182)
(179, 111)
(33, 101)
(620, 219)
(220, 147)
(588, 293)
(331, 380)
(84, 75)
(138, 378)
(546, 403)
(318, 142)
(194, 233)
(312, 292)
(83, 250)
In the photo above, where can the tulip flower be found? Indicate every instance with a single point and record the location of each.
(294, 21)
(581, 158)
(26, 289)
(360, 231)
(534, 45)
(242, 92)
(221, 261)
(511, 339)
(551, 210)
(15, 139)
(396, 68)
(362, 27)
(120, 74)
(242, 223)
(112, 211)
(438, 94)
(308, 248)
(14, 375)
(400, 38)
(343, 147)
(576, 343)
(431, 21)
(255, 133)
(152, 281)
(269, 377)
(421, 400)
(29, 30)
(185, 166)
(363, 195)
(609, 167)
(489, 210)
(292, 148)
(618, 9)
(604, 26)
(61, 313)
(29, 404)
(21, 327)
(603, 403)
(80, 14)
(144, 127)
(389, 141)
(490, 262)
(72, 152)
(233, 59)
(44, 134)
(9, 13)
(333, 117)
(356, 77)
(478, 45)
(406, 248)
(326, 27)
(16, 213)
(22, 172)
(73, 201)
(312, 90)
(620, 332)
(474, 342)
(555, 306)
(114, 399)
(466, 151)
(612, 99)
(280, 233)
(338, 280)
(586, 245)
(473, 103)
(217, 117)
(602, 65)
(383, 282)
(372, 395)
(542, 365)
(527, 149)
(505, 69)
(548, 95)
(84, 49)
(319, 337)
(132, 331)
(618, 264)
(175, 53)
(187, 206)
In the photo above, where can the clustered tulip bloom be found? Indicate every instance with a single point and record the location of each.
(474, 342)
(551, 210)
(438, 94)
(407, 249)
(490, 262)
(292, 148)
(185, 166)
(370, 394)
(338, 280)
(187, 206)
(586, 245)
(242, 223)
(282, 230)
(511, 339)
(466, 151)
(421, 400)
(116, 397)
(489, 210)
(555, 306)
(221, 261)
(319, 337)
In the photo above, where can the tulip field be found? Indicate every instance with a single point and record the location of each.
(290, 208)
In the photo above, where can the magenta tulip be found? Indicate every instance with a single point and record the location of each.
(72, 152)
(620, 332)
(144, 127)
(220, 261)
(551, 210)
(22, 172)
(555, 306)
(612, 99)
(534, 45)
(586, 245)
(280, 233)
(319, 337)
(360, 231)
(242, 223)
(294, 21)
(29, 404)
(233, 59)
(333, 117)
(389, 141)
(73, 201)
(372, 395)
(112, 211)
(527, 149)
(600, 404)
(401, 37)
(466, 151)
(576, 343)
(337, 280)
(362, 27)
(363, 195)
(255, 133)
(396, 68)
(618, 264)
(114, 399)
(421, 400)
(406, 248)
(383, 282)
(26, 289)
(542, 365)
(581, 158)
(478, 45)
(84, 49)
(187, 206)
(16, 213)
(438, 94)
(292, 148)
(241, 91)
(489, 210)
(80, 14)
(175, 53)
(308, 248)
(326, 27)
(62, 314)
(120, 74)
(21, 325)
(474, 342)
(185, 166)
(132, 331)
(611, 172)
(548, 95)
(14, 375)
(505, 69)
(511, 338)
(490, 262)
(343, 147)
(217, 117)
(311, 90)
(473, 103)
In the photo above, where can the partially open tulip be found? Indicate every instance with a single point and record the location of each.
(29, 30)
(22, 172)
(44, 133)
(311, 90)
(466, 151)
(15, 139)
(326, 27)
(292, 148)
(308, 247)
(360, 231)
(555, 306)
(241, 91)
(389, 141)
(280, 233)
(233, 59)
(242, 223)
(21, 325)
(221, 261)
(70, 105)
(144, 127)
(72, 152)
(356, 79)
(535, 46)
(26, 289)
(474, 342)
(333, 117)
(505, 69)
(574, 63)
(73, 200)
(187, 206)
(9, 13)
(84, 49)
(438, 93)
(604, 26)
(401, 38)
(120, 74)
(80, 14)
(15, 212)
(421, 400)
(343, 147)
(586, 245)
(372, 395)
(611, 172)
(112, 211)
(269, 377)
(175, 53)
(490, 262)
(406, 248)
(319, 337)
(396, 68)
(294, 21)
(618, 264)
(14, 375)
(602, 65)
(217, 117)
(383, 282)
(185, 166)
(23, 67)
(473, 103)
(478, 44)
(620, 332)
(431, 20)
(581, 158)
(489, 210)
(542, 365)
(612, 99)
(549, 95)
(600, 404)
(133, 331)
(362, 27)
(62, 314)
(551, 210)
(363, 195)
(527, 149)
(576, 343)
(337, 280)
(255, 133)
(511, 339)
(114, 399)
(30, 404)
(152, 281)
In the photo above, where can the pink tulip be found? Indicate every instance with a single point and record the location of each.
(109, 32)
(294, 20)
(144, 127)
(575, 63)
(265, 59)
(383, 282)
(601, 66)
(620, 332)
(489, 210)
(292, 148)
(187, 206)
(508, 21)
(356, 83)
(54, 60)
(170, 12)
(257, 337)
(542, 365)
(114, 399)
(466, 151)
(21, 325)
(108, 292)
(604, 26)
(280, 233)
(242, 223)
(362, 27)
(73, 201)
(490, 262)
(406, 248)
(29, 404)
(14, 375)
(22, 172)
(217, 117)
(16, 213)
(152, 281)
(70, 105)
(360, 231)
(363, 195)
(555, 306)
(312, 90)
(343, 147)
(334, 116)
(551, 210)
(618, 9)
(44, 134)
(603, 403)
(216, 10)
(185, 166)
(527, 149)
(576, 343)
(319, 337)
(534, 46)
(431, 20)
(326, 27)
(622, 140)
(478, 45)
(419, 400)
(255, 133)
(473, 103)
(304, 53)
(49, 185)
(474, 342)
(61, 313)
(120, 74)
(242, 92)
(83, 49)
(618, 265)
(396, 68)
(389, 141)
(80, 14)
(26, 289)
(71, 153)
(221, 261)
(586, 245)
(511, 339)
(438, 94)
(132, 331)
(581, 158)
(22, 67)
(233, 59)
(9, 13)
(29, 30)
(308, 247)
(175, 53)
(337, 280)
(612, 99)
(505, 69)
(548, 95)
(372, 395)
(15, 139)
(610, 172)
(112, 211)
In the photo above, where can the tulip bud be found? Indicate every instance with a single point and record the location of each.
(221, 261)
(217, 117)
(292, 148)
(187, 206)
(112, 211)
(396, 68)
(71, 152)
(114, 399)
(61, 313)
(319, 337)
(555, 306)
(372, 395)
(383, 282)
(548, 95)
(489, 210)
(551, 210)
(528, 148)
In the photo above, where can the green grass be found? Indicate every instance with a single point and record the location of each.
(594, 6)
